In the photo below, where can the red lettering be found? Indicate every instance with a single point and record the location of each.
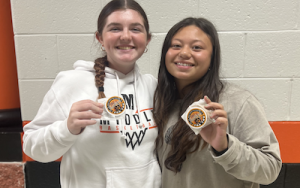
(125, 128)
(109, 128)
(130, 127)
(137, 126)
(149, 124)
(117, 128)
(101, 128)
(144, 125)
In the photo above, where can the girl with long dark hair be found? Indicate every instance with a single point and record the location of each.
(108, 143)
(239, 149)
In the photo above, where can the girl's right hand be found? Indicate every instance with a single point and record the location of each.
(81, 115)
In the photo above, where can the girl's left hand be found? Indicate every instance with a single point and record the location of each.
(215, 134)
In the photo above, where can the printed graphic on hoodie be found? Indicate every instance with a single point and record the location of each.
(135, 125)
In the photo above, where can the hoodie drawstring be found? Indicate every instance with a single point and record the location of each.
(137, 102)
(121, 120)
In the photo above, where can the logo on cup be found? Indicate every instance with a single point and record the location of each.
(196, 117)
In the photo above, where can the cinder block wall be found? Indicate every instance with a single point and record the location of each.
(260, 42)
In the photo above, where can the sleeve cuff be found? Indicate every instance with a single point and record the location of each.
(230, 154)
(219, 153)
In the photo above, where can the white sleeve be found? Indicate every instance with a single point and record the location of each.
(47, 137)
(253, 152)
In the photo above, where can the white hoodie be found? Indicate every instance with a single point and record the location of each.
(99, 156)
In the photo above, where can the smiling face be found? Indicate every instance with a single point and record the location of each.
(189, 56)
(124, 38)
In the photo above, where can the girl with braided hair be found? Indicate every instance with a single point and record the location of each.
(100, 148)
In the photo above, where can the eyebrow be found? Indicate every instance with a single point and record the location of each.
(118, 24)
(137, 24)
(192, 41)
(113, 24)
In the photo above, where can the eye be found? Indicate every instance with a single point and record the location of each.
(197, 47)
(115, 29)
(175, 46)
(136, 29)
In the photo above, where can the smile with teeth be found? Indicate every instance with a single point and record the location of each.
(125, 47)
(184, 64)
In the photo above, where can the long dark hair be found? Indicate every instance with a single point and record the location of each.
(184, 140)
(111, 7)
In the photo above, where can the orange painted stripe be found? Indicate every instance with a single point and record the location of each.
(287, 133)
(25, 123)
(109, 131)
(9, 94)
(144, 110)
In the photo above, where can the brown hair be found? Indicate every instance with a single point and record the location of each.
(183, 140)
(111, 7)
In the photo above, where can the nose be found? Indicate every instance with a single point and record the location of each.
(125, 35)
(185, 53)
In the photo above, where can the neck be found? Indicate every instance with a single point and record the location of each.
(182, 88)
(123, 69)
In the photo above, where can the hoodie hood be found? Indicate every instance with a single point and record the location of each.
(84, 65)
(109, 72)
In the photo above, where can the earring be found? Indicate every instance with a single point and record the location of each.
(146, 50)
(102, 48)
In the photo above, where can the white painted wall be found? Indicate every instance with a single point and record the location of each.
(260, 42)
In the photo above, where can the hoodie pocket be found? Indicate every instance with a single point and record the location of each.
(148, 176)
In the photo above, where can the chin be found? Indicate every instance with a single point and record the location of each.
(182, 77)
(128, 61)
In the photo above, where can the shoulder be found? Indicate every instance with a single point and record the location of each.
(74, 82)
(83, 70)
(234, 91)
(149, 79)
(233, 94)
(236, 100)
(72, 86)
(242, 108)
(71, 77)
